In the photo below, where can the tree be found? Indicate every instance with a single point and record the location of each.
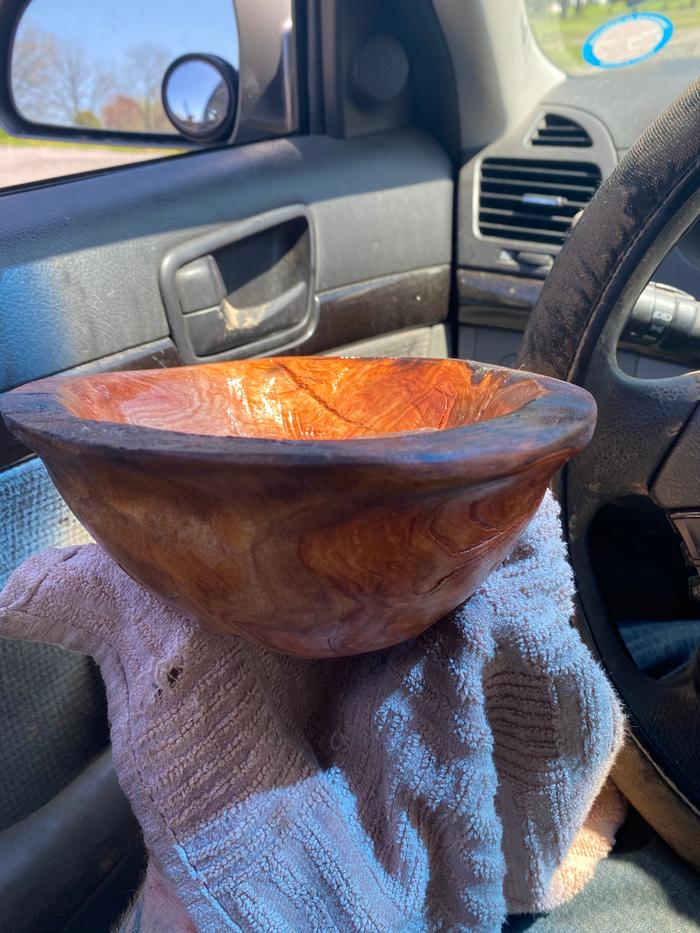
(123, 113)
(55, 81)
(78, 82)
(148, 63)
(87, 118)
(59, 82)
(34, 55)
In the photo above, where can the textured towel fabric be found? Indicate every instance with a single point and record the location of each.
(429, 786)
(157, 909)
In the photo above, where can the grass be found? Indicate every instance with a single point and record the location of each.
(561, 39)
(156, 152)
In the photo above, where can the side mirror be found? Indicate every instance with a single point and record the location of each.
(154, 74)
(96, 70)
(200, 97)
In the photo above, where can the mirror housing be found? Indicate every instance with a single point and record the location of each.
(268, 103)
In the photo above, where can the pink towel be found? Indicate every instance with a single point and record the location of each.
(434, 785)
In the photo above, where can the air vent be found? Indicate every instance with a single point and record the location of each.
(554, 130)
(533, 199)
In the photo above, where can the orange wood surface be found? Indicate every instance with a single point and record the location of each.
(310, 398)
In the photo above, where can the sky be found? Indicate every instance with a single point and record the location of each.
(109, 27)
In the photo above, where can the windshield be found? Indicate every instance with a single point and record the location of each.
(584, 36)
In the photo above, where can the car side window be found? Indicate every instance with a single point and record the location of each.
(88, 76)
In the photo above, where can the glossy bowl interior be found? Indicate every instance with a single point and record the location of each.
(321, 507)
(301, 398)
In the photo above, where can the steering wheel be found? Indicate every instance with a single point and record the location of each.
(646, 448)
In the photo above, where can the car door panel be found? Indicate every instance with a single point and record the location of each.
(81, 258)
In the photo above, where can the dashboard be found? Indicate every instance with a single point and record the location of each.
(520, 195)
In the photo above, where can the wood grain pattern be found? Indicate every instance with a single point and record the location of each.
(320, 506)
(418, 298)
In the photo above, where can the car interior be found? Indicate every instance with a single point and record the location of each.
(384, 178)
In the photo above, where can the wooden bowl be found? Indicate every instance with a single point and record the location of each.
(322, 507)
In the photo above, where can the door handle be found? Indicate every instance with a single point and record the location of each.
(243, 290)
(229, 326)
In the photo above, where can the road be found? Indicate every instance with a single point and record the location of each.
(22, 164)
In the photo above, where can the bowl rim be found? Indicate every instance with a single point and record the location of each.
(555, 424)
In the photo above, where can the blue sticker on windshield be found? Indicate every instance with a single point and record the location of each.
(627, 40)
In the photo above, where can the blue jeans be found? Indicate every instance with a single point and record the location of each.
(642, 887)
